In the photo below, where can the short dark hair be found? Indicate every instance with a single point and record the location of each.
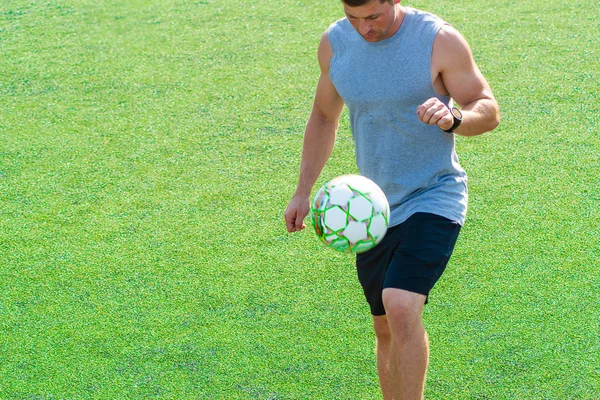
(356, 3)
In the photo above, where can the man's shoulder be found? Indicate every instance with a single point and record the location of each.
(449, 41)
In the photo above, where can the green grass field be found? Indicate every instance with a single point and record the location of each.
(149, 148)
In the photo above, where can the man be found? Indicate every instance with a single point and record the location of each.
(399, 71)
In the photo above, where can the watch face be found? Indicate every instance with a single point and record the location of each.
(456, 113)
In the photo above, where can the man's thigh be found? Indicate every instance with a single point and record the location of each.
(412, 257)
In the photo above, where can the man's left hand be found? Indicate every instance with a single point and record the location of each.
(434, 112)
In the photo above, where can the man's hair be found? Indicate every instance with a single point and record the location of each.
(356, 3)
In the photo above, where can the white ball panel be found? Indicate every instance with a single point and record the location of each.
(361, 184)
(360, 208)
(356, 231)
(378, 227)
(340, 195)
(335, 218)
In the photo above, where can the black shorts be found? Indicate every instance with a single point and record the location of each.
(412, 256)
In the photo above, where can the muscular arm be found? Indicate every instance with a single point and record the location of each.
(455, 72)
(319, 138)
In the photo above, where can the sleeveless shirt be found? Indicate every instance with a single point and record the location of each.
(382, 84)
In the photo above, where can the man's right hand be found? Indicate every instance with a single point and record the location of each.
(295, 212)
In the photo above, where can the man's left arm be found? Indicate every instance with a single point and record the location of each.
(455, 72)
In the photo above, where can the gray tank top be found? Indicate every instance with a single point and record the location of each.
(382, 85)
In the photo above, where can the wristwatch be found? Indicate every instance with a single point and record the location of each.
(457, 115)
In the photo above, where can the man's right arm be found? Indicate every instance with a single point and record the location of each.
(319, 138)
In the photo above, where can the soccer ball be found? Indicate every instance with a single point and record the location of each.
(350, 213)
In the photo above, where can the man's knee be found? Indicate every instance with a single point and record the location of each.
(403, 311)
